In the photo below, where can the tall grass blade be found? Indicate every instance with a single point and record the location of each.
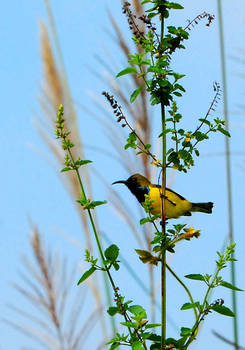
(228, 172)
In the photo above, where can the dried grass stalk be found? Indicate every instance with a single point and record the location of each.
(48, 285)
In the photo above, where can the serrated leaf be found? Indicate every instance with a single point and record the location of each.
(195, 276)
(128, 70)
(137, 309)
(230, 286)
(223, 310)
(112, 252)
(135, 94)
(86, 275)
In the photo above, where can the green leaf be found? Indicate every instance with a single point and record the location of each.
(223, 131)
(200, 136)
(135, 94)
(83, 161)
(185, 331)
(112, 252)
(174, 5)
(205, 121)
(131, 141)
(128, 70)
(65, 169)
(116, 266)
(188, 306)
(114, 346)
(153, 325)
(230, 286)
(154, 337)
(223, 310)
(195, 276)
(129, 324)
(86, 275)
(173, 341)
(112, 310)
(137, 346)
(137, 309)
(94, 204)
(152, 14)
(145, 220)
(166, 131)
(177, 93)
(130, 145)
(146, 61)
(197, 152)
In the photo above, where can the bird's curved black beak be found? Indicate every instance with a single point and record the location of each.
(120, 182)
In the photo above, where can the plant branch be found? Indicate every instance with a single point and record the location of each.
(185, 287)
(163, 218)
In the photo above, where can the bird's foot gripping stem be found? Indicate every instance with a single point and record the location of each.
(162, 222)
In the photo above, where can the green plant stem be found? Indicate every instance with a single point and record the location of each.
(163, 258)
(185, 288)
(126, 317)
(195, 328)
(228, 173)
(163, 261)
(140, 282)
(96, 235)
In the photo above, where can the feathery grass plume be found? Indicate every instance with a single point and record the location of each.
(53, 94)
(53, 321)
(54, 91)
(52, 79)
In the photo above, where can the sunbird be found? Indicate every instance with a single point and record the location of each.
(175, 205)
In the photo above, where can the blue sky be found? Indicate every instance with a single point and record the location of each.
(31, 188)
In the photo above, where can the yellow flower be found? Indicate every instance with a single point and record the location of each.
(190, 232)
(188, 137)
(156, 162)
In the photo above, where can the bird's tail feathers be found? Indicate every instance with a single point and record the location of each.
(203, 207)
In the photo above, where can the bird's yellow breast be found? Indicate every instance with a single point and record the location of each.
(174, 204)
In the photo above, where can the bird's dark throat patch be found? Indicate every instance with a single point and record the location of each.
(137, 190)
